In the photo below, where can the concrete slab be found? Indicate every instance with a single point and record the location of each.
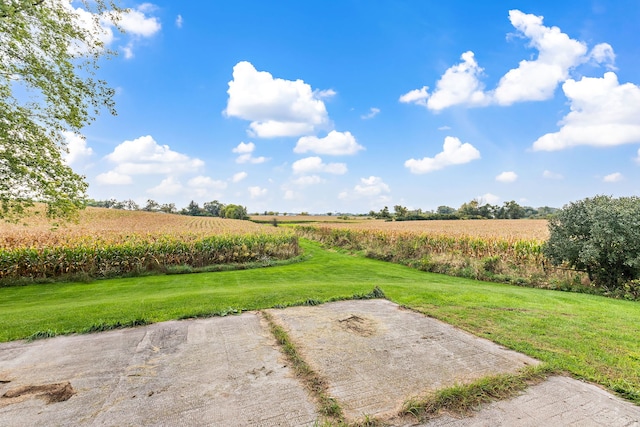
(218, 371)
(376, 355)
(559, 401)
(229, 372)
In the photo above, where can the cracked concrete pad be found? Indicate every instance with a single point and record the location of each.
(559, 401)
(375, 354)
(218, 371)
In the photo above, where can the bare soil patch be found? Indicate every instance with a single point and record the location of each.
(362, 326)
(50, 393)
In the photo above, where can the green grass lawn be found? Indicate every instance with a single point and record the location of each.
(591, 337)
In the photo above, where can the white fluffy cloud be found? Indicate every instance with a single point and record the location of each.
(507, 177)
(532, 80)
(257, 192)
(179, 21)
(536, 80)
(307, 180)
(603, 113)
(169, 186)
(551, 175)
(613, 177)
(113, 178)
(603, 54)
(275, 107)
(458, 85)
(454, 152)
(199, 187)
(206, 182)
(239, 176)
(334, 144)
(373, 111)
(143, 156)
(245, 151)
(373, 187)
(244, 148)
(315, 165)
(136, 23)
(77, 148)
(416, 96)
(489, 198)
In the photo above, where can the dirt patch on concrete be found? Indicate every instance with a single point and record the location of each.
(363, 326)
(50, 393)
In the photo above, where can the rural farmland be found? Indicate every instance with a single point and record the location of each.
(319, 213)
(105, 243)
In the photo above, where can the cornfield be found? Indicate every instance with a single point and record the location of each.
(508, 229)
(507, 251)
(107, 243)
(411, 245)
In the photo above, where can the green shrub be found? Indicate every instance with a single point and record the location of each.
(599, 235)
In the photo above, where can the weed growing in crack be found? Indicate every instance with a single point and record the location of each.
(462, 399)
(327, 405)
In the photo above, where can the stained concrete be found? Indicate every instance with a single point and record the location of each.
(376, 355)
(229, 372)
(559, 401)
(219, 371)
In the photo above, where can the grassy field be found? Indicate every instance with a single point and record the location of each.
(591, 337)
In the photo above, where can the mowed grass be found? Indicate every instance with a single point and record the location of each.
(591, 337)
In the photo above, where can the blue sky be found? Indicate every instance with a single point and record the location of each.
(353, 105)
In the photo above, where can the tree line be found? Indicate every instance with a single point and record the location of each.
(211, 209)
(469, 210)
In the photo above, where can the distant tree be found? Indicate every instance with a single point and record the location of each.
(101, 203)
(151, 206)
(486, 211)
(116, 204)
(445, 210)
(130, 205)
(513, 210)
(192, 209)
(235, 212)
(530, 212)
(400, 211)
(600, 235)
(470, 209)
(546, 212)
(384, 213)
(213, 208)
(169, 208)
(112, 204)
